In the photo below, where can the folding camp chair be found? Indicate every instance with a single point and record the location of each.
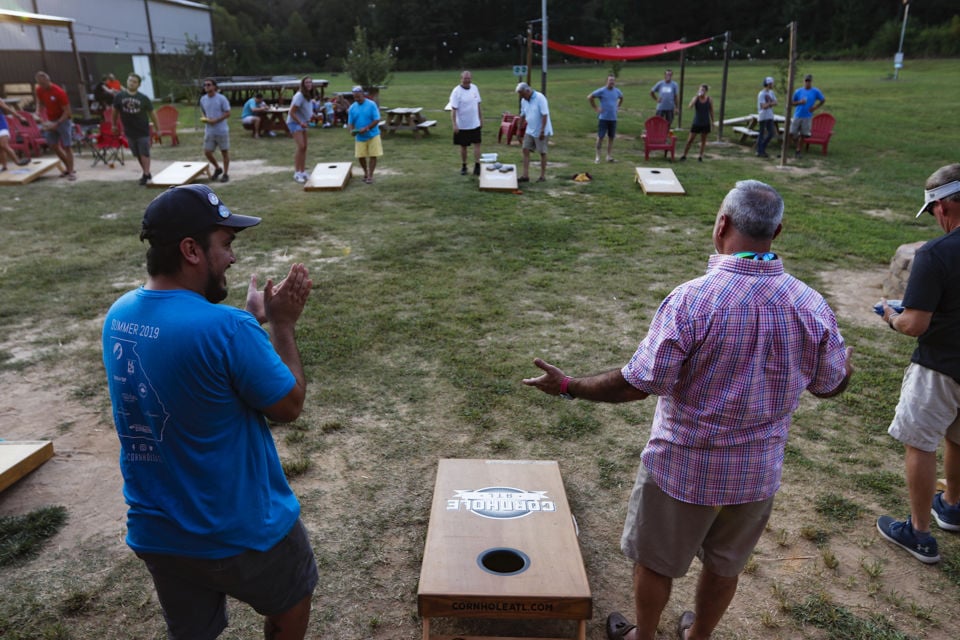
(109, 142)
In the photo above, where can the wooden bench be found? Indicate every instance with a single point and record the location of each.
(745, 133)
(426, 124)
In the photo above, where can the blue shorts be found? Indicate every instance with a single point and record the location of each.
(607, 128)
(62, 135)
(193, 591)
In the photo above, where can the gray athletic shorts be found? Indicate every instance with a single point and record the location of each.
(927, 411)
(801, 126)
(664, 534)
(193, 591)
(139, 146)
(213, 140)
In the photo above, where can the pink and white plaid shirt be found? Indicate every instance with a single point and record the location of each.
(729, 355)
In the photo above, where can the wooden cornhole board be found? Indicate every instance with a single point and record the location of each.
(329, 176)
(656, 181)
(179, 173)
(28, 172)
(496, 180)
(502, 543)
(20, 457)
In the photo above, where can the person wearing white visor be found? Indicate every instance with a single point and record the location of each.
(929, 405)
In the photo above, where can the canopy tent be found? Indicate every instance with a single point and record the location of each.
(622, 53)
(40, 20)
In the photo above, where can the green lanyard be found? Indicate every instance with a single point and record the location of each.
(752, 255)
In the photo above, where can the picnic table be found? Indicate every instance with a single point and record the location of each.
(747, 126)
(274, 119)
(407, 119)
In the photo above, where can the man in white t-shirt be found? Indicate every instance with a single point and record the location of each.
(467, 120)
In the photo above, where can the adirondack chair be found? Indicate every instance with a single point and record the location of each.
(656, 137)
(506, 123)
(821, 128)
(167, 116)
(29, 134)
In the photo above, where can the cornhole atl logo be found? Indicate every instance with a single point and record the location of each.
(502, 503)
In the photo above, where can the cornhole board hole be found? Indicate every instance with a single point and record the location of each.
(28, 172)
(662, 182)
(179, 173)
(496, 180)
(20, 457)
(502, 543)
(329, 176)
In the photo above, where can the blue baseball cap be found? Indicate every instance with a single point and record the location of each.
(183, 211)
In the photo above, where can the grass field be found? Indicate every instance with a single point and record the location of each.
(431, 300)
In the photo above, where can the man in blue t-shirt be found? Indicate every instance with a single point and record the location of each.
(806, 100)
(926, 413)
(610, 98)
(192, 384)
(666, 93)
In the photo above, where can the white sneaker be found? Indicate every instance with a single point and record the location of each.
(300, 177)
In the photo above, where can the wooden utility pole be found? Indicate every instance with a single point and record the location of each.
(789, 97)
(723, 84)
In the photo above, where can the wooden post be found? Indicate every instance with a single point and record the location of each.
(789, 97)
(683, 70)
(723, 84)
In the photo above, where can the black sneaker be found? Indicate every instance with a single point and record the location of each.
(225, 178)
(463, 170)
(946, 515)
(476, 168)
(144, 179)
(921, 546)
(216, 173)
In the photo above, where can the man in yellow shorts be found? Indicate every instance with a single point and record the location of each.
(363, 119)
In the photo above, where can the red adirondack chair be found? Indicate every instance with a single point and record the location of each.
(167, 116)
(821, 128)
(506, 123)
(656, 137)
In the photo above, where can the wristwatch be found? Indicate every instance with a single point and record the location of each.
(563, 388)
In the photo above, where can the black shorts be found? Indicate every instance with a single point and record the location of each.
(467, 137)
(700, 128)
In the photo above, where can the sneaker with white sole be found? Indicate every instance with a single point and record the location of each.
(946, 515)
(300, 177)
(921, 546)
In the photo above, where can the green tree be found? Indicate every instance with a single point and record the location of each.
(616, 40)
(368, 67)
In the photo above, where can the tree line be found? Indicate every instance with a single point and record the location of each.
(257, 37)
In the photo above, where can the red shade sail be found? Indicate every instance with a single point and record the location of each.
(622, 53)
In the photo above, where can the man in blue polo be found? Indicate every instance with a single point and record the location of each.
(610, 98)
(363, 119)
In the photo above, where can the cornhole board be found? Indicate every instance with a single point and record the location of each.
(941, 484)
(329, 176)
(28, 172)
(179, 173)
(502, 543)
(20, 457)
(496, 180)
(662, 182)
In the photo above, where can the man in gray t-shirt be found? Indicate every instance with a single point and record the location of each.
(216, 109)
(665, 93)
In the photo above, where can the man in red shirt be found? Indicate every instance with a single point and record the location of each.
(53, 106)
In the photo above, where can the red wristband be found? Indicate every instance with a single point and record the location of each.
(563, 385)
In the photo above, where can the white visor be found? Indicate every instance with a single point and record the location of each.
(932, 195)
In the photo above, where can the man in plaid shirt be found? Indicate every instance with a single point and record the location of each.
(728, 354)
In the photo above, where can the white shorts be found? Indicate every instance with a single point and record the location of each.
(927, 411)
(4, 133)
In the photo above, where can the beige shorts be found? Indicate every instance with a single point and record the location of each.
(927, 411)
(664, 534)
(371, 148)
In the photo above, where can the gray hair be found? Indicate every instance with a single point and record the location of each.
(945, 175)
(523, 86)
(755, 209)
